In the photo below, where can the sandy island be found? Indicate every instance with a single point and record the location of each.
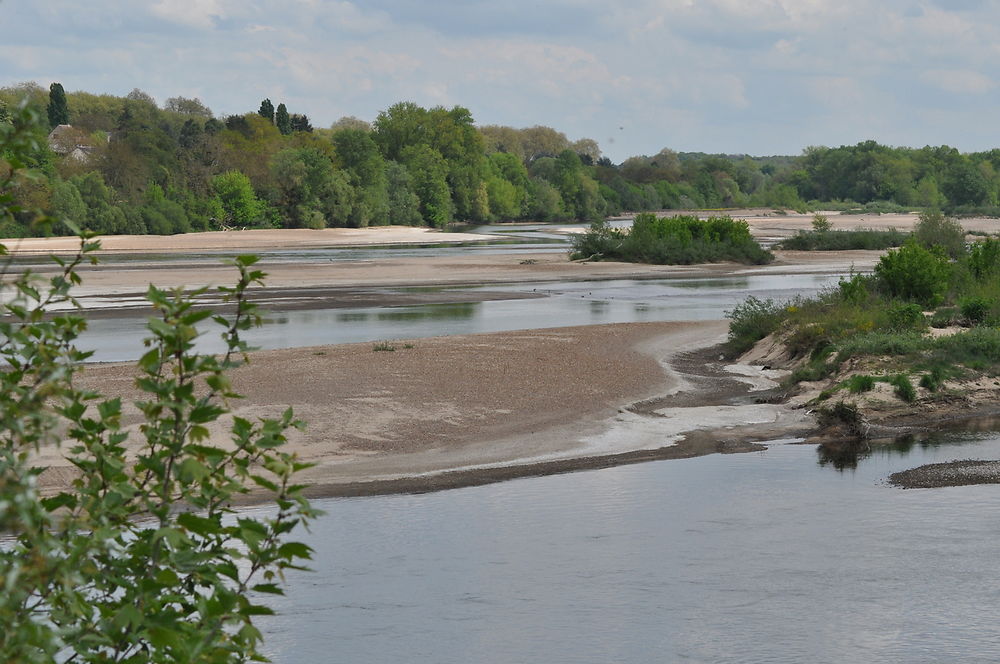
(453, 411)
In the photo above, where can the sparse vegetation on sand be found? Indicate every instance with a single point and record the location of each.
(877, 328)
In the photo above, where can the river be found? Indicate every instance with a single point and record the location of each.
(775, 556)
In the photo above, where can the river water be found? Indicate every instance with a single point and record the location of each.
(560, 304)
(775, 556)
(778, 556)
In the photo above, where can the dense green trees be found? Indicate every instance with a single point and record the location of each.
(152, 169)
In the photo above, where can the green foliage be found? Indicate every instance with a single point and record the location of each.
(932, 380)
(830, 240)
(141, 558)
(675, 240)
(842, 413)
(266, 110)
(944, 317)
(903, 387)
(820, 224)
(58, 109)
(906, 316)
(974, 309)
(913, 273)
(282, 120)
(750, 321)
(859, 383)
(984, 258)
(383, 346)
(240, 205)
(936, 230)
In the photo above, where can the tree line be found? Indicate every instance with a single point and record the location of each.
(129, 165)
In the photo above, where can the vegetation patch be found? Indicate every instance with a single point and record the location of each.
(680, 240)
(880, 321)
(826, 239)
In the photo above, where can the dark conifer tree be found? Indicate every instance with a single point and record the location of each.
(282, 120)
(267, 110)
(58, 109)
(300, 122)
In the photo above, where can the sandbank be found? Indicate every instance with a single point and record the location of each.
(454, 411)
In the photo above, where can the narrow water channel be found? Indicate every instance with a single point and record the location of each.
(560, 304)
(768, 557)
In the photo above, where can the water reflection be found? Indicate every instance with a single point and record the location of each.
(565, 303)
(452, 312)
(846, 455)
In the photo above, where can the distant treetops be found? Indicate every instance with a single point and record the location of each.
(136, 167)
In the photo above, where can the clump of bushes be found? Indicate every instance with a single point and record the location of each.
(830, 240)
(679, 240)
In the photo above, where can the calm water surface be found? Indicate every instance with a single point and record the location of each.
(767, 557)
(563, 304)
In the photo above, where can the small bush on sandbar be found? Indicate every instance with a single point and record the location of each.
(903, 388)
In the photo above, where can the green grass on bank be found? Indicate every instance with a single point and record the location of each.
(932, 279)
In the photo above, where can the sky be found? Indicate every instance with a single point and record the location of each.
(759, 77)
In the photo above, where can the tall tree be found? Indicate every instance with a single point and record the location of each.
(266, 110)
(282, 120)
(299, 122)
(58, 109)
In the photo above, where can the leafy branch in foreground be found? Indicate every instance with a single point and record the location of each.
(140, 558)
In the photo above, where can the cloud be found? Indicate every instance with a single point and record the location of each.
(717, 75)
(959, 81)
(202, 14)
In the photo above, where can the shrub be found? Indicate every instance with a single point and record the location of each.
(913, 273)
(974, 309)
(831, 240)
(977, 348)
(936, 230)
(750, 321)
(859, 383)
(855, 288)
(944, 317)
(906, 316)
(932, 380)
(843, 414)
(880, 343)
(820, 224)
(813, 370)
(984, 258)
(903, 388)
(138, 559)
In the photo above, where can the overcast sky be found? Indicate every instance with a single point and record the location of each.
(754, 76)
